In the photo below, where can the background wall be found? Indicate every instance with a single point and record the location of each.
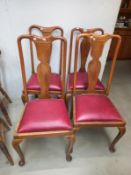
(17, 15)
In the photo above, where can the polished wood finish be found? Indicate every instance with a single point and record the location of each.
(45, 32)
(2, 142)
(43, 73)
(84, 52)
(95, 64)
(97, 43)
(85, 45)
(85, 48)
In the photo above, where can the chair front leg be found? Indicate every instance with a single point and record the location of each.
(69, 150)
(121, 132)
(6, 152)
(16, 146)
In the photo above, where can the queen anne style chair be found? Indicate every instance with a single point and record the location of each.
(57, 80)
(81, 73)
(44, 117)
(93, 109)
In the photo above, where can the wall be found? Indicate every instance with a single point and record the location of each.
(17, 15)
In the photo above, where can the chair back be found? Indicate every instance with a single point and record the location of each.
(43, 48)
(97, 43)
(84, 46)
(45, 31)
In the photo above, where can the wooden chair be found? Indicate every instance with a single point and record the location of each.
(2, 141)
(81, 73)
(93, 109)
(44, 117)
(32, 86)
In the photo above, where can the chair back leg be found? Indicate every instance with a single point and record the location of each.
(69, 150)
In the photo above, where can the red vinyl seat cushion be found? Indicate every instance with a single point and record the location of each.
(55, 84)
(45, 115)
(82, 81)
(97, 108)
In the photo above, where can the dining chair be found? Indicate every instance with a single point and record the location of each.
(31, 86)
(92, 109)
(3, 146)
(44, 117)
(81, 73)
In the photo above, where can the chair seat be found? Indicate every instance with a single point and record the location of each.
(45, 115)
(55, 84)
(97, 108)
(82, 81)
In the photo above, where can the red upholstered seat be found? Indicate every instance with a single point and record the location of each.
(82, 81)
(55, 83)
(45, 115)
(97, 108)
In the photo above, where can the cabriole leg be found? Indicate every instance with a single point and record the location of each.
(16, 146)
(122, 131)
